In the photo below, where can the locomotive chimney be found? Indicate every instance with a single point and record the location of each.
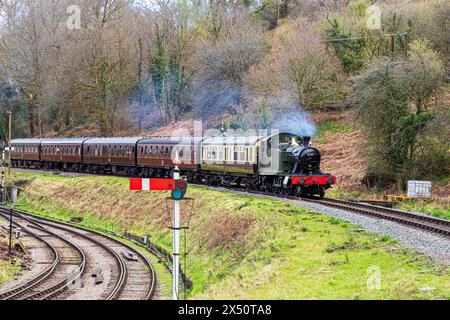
(306, 141)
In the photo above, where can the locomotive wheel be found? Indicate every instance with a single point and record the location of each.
(322, 193)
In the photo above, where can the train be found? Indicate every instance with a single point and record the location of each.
(281, 163)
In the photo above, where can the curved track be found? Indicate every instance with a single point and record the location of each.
(66, 269)
(420, 221)
(131, 280)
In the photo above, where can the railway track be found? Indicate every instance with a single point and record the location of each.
(67, 267)
(131, 279)
(41, 276)
(420, 221)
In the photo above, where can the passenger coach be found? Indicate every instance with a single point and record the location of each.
(282, 163)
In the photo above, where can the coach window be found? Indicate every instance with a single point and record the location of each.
(221, 153)
(252, 155)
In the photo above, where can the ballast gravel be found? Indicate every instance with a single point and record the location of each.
(438, 247)
(429, 244)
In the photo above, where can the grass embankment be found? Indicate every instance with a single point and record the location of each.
(243, 247)
(8, 270)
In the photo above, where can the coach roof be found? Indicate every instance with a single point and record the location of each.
(26, 141)
(63, 141)
(171, 140)
(232, 140)
(127, 140)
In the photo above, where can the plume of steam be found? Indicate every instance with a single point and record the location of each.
(297, 122)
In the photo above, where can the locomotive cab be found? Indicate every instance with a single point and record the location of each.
(275, 153)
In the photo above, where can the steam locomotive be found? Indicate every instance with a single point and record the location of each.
(281, 163)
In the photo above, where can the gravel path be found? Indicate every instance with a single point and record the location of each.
(429, 244)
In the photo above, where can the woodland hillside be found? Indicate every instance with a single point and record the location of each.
(129, 67)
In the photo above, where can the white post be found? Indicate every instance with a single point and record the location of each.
(176, 240)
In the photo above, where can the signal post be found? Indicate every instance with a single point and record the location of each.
(178, 187)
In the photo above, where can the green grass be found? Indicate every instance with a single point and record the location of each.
(245, 247)
(8, 271)
(424, 206)
(332, 126)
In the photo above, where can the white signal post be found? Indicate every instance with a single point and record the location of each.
(177, 194)
(176, 241)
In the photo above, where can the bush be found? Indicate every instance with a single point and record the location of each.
(394, 105)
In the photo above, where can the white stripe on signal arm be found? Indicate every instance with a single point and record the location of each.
(146, 184)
